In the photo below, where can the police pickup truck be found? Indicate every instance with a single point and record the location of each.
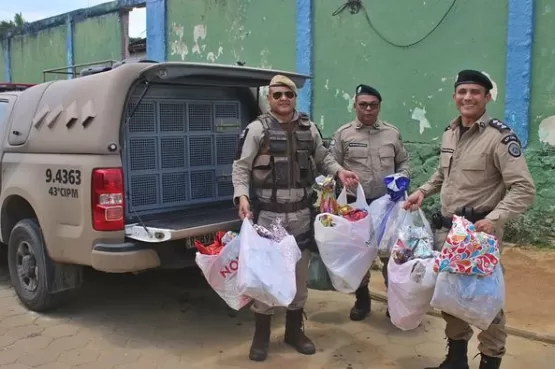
(119, 169)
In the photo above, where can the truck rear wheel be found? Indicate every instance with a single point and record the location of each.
(32, 273)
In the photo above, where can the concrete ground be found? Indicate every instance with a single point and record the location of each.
(173, 320)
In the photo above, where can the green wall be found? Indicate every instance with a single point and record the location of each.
(97, 39)
(347, 51)
(32, 53)
(259, 33)
(543, 76)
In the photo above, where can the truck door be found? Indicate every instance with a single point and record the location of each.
(6, 106)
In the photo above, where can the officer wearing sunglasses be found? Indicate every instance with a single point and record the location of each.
(277, 158)
(373, 149)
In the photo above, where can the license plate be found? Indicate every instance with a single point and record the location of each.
(204, 239)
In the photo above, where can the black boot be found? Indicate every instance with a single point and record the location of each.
(361, 309)
(488, 362)
(456, 356)
(261, 339)
(294, 333)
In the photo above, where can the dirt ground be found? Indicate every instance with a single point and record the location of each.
(173, 320)
(530, 288)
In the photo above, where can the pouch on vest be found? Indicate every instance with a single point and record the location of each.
(281, 171)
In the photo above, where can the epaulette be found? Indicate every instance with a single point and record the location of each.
(499, 125)
(447, 128)
(304, 119)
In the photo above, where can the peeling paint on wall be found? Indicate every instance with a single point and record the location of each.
(546, 130)
(419, 114)
(179, 47)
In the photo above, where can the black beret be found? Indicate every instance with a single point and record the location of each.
(367, 90)
(475, 77)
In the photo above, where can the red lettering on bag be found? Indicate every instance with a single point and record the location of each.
(230, 268)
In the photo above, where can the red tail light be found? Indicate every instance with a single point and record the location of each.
(107, 199)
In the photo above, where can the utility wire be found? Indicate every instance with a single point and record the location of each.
(355, 6)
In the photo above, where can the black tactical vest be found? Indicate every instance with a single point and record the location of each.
(285, 159)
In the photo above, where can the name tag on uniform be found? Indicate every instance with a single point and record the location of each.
(357, 144)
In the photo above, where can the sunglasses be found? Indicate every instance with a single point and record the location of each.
(278, 94)
(366, 105)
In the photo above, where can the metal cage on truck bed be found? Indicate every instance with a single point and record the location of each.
(179, 150)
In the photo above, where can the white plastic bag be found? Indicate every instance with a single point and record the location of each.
(476, 300)
(348, 248)
(267, 268)
(409, 292)
(388, 217)
(221, 273)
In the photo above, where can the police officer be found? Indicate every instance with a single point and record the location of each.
(279, 152)
(483, 176)
(373, 149)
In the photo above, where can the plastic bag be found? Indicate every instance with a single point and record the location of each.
(318, 276)
(347, 248)
(266, 267)
(220, 272)
(475, 299)
(395, 220)
(415, 239)
(467, 251)
(409, 292)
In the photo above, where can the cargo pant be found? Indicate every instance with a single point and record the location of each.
(366, 279)
(296, 224)
(492, 340)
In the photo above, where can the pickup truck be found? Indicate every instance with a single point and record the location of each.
(119, 170)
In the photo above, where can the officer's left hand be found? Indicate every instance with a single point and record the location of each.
(348, 178)
(484, 225)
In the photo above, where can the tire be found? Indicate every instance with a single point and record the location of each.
(27, 252)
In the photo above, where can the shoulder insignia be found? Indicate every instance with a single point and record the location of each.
(514, 150)
(510, 138)
(447, 128)
(499, 125)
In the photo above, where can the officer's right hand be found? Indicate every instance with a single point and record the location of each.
(244, 208)
(414, 201)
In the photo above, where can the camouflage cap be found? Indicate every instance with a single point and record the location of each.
(280, 80)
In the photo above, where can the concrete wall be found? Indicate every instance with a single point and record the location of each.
(232, 31)
(82, 36)
(97, 38)
(415, 82)
(31, 54)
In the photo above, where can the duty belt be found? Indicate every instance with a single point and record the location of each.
(275, 207)
(440, 221)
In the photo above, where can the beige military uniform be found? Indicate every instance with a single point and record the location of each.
(296, 223)
(373, 152)
(483, 169)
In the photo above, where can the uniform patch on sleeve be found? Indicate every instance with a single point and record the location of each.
(510, 138)
(514, 150)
